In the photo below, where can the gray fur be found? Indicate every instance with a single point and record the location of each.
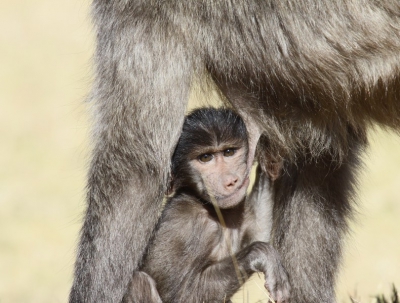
(312, 74)
(143, 289)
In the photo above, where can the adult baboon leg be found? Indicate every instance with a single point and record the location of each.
(140, 94)
(313, 203)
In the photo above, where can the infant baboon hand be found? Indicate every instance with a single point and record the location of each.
(277, 283)
(267, 260)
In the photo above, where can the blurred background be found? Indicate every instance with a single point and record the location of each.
(45, 75)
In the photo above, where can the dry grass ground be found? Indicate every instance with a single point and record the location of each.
(45, 49)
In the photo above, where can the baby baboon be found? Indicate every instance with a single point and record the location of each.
(211, 237)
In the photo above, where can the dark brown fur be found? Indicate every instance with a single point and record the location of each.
(311, 74)
(195, 256)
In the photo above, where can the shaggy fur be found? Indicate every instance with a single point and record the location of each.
(311, 74)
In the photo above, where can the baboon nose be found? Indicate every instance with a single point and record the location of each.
(231, 183)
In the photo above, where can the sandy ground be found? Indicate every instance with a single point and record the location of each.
(45, 74)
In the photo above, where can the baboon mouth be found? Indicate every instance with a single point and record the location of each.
(245, 183)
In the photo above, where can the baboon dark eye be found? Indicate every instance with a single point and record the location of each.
(205, 157)
(229, 152)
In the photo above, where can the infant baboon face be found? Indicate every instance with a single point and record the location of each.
(223, 175)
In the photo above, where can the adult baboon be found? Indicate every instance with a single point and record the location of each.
(311, 74)
(211, 237)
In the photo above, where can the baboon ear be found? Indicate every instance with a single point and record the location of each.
(268, 158)
(274, 169)
(170, 186)
(270, 164)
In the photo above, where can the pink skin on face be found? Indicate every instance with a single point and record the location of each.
(224, 174)
(236, 197)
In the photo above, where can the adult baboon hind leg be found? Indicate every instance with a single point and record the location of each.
(311, 212)
(138, 122)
